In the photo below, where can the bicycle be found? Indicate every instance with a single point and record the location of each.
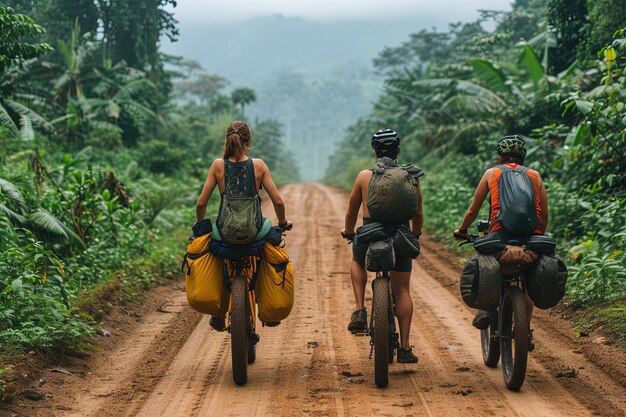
(509, 338)
(242, 313)
(384, 340)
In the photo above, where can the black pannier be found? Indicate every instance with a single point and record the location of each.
(380, 256)
(481, 282)
(546, 282)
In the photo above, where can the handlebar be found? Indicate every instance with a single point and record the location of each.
(286, 228)
(348, 236)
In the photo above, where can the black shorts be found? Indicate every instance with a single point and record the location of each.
(403, 264)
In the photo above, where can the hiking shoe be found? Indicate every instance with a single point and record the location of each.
(406, 355)
(218, 323)
(482, 319)
(358, 322)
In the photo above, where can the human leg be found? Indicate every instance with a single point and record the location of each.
(403, 304)
(358, 276)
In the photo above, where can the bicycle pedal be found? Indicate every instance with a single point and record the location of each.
(360, 333)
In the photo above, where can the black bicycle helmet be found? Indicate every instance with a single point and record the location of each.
(385, 139)
(512, 145)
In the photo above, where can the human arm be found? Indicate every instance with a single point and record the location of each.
(472, 212)
(354, 204)
(543, 204)
(418, 219)
(207, 190)
(274, 194)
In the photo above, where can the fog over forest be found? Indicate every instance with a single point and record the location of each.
(315, 78)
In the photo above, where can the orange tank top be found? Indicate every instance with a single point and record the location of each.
(494, 199)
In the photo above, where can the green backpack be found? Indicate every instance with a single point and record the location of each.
(392, 195)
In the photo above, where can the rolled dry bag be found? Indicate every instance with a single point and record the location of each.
(380, 256)
(275, 285)
(480, 282)
(205, 289)
(546, 282)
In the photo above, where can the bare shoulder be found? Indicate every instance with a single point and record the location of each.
(259, 163)
(364, 175)
(218, 165)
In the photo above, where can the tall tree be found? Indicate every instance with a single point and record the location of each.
(567, 18)
(132, 30)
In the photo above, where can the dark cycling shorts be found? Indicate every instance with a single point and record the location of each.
(403, 264)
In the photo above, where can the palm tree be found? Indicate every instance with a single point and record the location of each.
(243, 96)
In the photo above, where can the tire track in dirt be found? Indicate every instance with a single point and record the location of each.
(311, 365)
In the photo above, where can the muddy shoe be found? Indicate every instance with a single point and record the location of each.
(482, 319)
(218, 323)
(406, 355)
(358, 322)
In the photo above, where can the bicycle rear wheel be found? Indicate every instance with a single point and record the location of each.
(239, 329)
(381, 331)
(490, 345)
(514, 338)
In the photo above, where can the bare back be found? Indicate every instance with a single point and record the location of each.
(259, 172)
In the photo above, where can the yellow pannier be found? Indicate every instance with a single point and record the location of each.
(206, 292)
(274, 286)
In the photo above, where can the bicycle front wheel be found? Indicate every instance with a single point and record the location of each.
(514, 339)
(490, 345)
(239, 329)
(381, 331)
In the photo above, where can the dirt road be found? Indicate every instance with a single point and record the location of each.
(174, 365)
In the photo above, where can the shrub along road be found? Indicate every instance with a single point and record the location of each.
(171, 363)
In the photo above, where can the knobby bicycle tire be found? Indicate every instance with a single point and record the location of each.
(515, 338)
(238, 330)
(381, 331)
(490, 346)
(251, 337)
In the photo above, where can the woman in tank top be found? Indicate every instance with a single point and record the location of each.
(238, 176)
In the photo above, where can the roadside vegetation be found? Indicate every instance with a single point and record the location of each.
(104, 145)
(550, 70)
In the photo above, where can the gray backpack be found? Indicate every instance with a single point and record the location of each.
(518, 215)
(392, 195)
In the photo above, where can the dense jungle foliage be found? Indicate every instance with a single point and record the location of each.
(104, 145)
(552, 71)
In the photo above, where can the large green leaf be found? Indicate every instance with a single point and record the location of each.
(13, 193)
(15, 218)
(490, 75)
(6, 121)
(530, 64)
(45, 224)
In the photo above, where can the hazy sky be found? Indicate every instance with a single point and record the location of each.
(446, 10)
